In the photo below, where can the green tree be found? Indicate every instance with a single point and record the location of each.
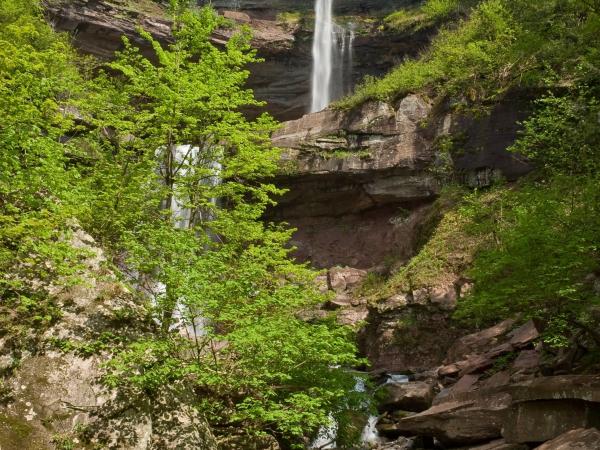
(39, 191)
(171, 132)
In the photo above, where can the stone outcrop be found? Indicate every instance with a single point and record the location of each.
(359, 180)
(351, 177)
(458, 422)
(55, 391)
(499, 444)
(99, 25)
(534, 411)
(271, 7)
(414, 396)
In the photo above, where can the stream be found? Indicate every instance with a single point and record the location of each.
(327, 436)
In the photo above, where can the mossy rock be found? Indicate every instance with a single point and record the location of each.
(17, 434)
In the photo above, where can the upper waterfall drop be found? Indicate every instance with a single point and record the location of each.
(332, 57)
(323, 43)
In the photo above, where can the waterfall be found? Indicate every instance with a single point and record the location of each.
(332, 57)
(187, 157)
(323, 43)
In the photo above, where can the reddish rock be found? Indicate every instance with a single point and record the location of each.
(465, 384)
(459, 422)
(478, 342)
(499, 444)
(409, 339)
(524, 335)
(476, 364)
(237, 16)
(528, 360)
(414, 396)
(498, 379)
(448, 370)
(499, 350)
(584, 439)
(542, 420)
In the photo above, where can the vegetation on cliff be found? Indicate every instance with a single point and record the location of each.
(490, 47)
(530, 248)
(156, 161)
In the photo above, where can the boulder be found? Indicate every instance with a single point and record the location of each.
(345, 279)
(352, 316)
(580, 438)
(401, 443)
(524, 335)
(545, 407)
(478, 342)
(54, 392)
(533, 411)
(499, 444)
(498, 379)
(458, 422)
(528, 360)
(413, 396)
(541, 420)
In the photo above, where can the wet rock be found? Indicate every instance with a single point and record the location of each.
(575, 439)
(413, 396)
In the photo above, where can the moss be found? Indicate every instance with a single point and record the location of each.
(16, 433)
(289, 19)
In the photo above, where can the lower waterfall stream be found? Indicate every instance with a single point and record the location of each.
(327, 436)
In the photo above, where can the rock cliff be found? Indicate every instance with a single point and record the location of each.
(283, 79)
(357, 178)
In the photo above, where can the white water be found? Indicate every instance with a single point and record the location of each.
(186, 158)
(326, 439)
(323, 43)
(333, 47)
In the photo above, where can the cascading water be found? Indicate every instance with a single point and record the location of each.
(322, 55)
(370, 437)
(186, 158)
(332, 57)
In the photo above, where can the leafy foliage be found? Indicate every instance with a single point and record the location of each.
(500, 45)
(157, 161)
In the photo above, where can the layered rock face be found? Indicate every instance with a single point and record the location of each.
(351, 178)
(359, 180)
(491, 394)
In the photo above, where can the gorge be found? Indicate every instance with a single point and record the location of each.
(401, 255)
